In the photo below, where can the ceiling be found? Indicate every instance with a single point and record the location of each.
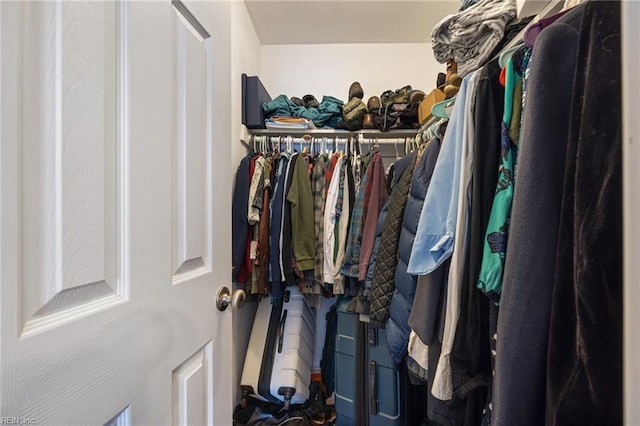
(347, 21)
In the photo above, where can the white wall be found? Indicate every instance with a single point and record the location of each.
(245, 58)
(329, 69)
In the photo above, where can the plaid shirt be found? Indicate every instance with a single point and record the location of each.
(351, 265)
(319, 200)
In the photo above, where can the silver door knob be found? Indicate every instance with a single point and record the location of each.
(225, 298)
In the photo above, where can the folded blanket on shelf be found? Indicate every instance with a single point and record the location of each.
(327, 114)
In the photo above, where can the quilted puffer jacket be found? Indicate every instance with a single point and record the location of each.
(400, 167)
(398, 314)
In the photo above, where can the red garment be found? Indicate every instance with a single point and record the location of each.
(367, 198)
(328, 172)
(375, 197)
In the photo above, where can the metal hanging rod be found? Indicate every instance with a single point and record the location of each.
(309, 139)
(320, 137)
(337, 133)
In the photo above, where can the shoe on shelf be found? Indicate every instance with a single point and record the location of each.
(355, 91)
(367, 122)
(310, 101)
(373, 103)
(451, 87)
(416, 96)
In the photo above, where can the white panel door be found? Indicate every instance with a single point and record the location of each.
(115, 214)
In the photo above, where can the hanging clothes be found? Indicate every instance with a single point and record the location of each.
(495, 246)
(239, 225)
(256, 189)
(302, 217)
(351, 264)
(286, 255)
(442, 387)
(525, 303)
(470, 355)
(330, 220)
(585, 364)
(436, 229)
(245, 271)
(377, 198)
(276, 272)
(395, 313)
(384, 270)
(394, 206)
(263, 232)
(343, 214)
(319, 200)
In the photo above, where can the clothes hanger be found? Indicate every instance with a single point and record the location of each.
(508, 53)
(308, 140)
(443, 109)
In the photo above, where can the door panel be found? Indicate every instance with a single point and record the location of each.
(109, 115)
(192, 53)
(122, 419)
(192, 389)
(69, 93)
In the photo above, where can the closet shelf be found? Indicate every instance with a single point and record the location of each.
(368, 133)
